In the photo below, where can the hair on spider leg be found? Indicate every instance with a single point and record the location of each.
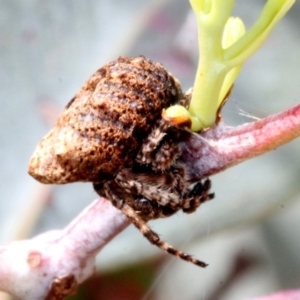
(154, 238)
(196, 196)
(112, 192)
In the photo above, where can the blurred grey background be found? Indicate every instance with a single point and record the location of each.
(48, 49)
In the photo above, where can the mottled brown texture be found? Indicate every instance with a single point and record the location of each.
(113, 134)
(104, 125)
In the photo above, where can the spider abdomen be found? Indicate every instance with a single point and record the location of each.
(103, 127)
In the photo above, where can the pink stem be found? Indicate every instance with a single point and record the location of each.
(64, 258)
(283, 295)
(99, 223)
(224, 146)
(54, 263)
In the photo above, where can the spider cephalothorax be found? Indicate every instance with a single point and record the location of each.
(112, 133)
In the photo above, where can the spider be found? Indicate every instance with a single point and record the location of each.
(156, 186)
(113, 133)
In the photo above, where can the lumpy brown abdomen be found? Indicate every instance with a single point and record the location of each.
(102, 128)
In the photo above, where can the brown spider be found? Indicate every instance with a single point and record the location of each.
(112, 133)
(156, 186)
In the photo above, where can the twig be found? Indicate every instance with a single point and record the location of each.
(51, 265)
(224, 146)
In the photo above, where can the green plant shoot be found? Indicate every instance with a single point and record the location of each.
(224, 45)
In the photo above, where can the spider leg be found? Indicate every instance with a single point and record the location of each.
(196, 196)
(108, 188)
(150, 210)
(144, 207)
(160, 149)
(154, 238)
(166, 155)
(155, 187)
(150, 144)
(166, 193)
